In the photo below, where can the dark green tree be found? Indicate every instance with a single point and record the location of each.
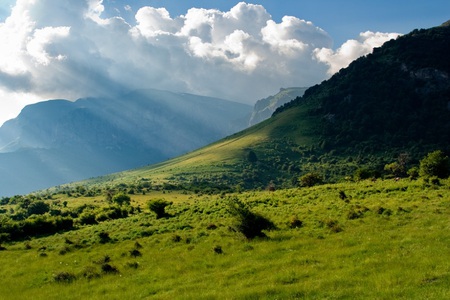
(252, 156)
(310, 179)
(158, 206)
(38, 208)
(435, 164)
(121, 199)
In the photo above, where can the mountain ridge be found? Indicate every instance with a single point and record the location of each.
(392, 101)
(107, 135)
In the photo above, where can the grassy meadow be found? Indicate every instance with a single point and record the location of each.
(381, 239)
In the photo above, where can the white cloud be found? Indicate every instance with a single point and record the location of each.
(352, 49)
(67, 49)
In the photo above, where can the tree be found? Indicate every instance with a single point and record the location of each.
(121, 199)
(252, 158)
(310, 179)
(435, 164)
(38, 208)
(158, 206)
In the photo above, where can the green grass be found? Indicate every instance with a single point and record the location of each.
(398, 252)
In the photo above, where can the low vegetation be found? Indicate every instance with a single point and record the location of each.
(375, 238)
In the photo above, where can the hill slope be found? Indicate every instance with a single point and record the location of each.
(393, 101)
(60, 141)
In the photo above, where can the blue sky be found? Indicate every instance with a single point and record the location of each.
(342, 19)
(233, 50)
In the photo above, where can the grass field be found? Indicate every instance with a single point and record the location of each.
(383, 240)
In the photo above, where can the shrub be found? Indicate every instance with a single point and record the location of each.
(342, 195)
(363, 173)
(87, 218)
(104, 237)
(333, 225)
(250, 224)
(310, 179)
(90, 273)
(64, 277)
(38, 208)
(295, 222)
(413, 173)
(158, 206)
(435, 164)
(121, 199)
(135, 253)
(218, 249)
(176, 238)
(109, 269)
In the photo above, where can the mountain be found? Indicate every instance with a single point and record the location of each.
(59, 141)
(264, 108)
(391, 103)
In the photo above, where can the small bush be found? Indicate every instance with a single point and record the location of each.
(109, 269)
(64, 277)
(333, 225)
(87, 218)
(90, 273)
(211, 226)
(218, 249)
(104, 237)
(158, 206)
(121, 199)
(435, 164)
(135, 253)
(342, 195)
(413, 173)
(310, 179)
(295, 222)
(250, 224)
(354, 214)
(176, 238)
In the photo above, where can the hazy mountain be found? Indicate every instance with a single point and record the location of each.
(264, 108)
(391, 102)
(59, 141)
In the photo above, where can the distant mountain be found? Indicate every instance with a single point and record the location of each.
(59, 141)
(264, 108)
(395, 101)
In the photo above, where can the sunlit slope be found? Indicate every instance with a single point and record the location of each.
(229, 156)
(391, 102)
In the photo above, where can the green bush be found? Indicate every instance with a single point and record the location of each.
(64, 277)
(310, 179)
(104, 237)
(435, 164)
(250, 224)
(158, 206)
(121, 199)
(38, 208)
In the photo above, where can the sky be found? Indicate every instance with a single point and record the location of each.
(241, 51)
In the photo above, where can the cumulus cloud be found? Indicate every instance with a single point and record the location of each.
(352, 49)
(70, 50)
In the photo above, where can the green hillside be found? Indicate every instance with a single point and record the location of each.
(390, 104)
